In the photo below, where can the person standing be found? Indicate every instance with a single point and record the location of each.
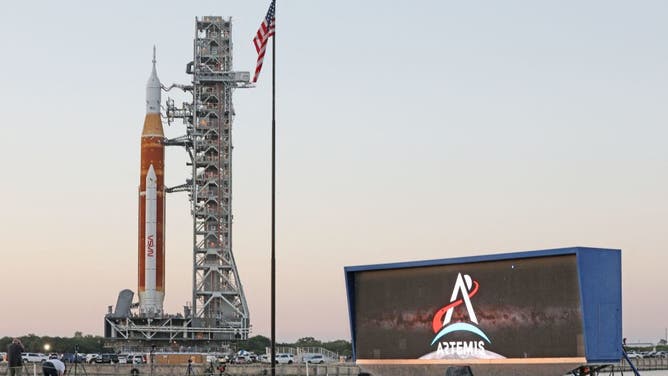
(14, 352)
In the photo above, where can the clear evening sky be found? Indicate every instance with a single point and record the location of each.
(407, 130)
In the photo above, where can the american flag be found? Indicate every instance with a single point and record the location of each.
(265, 31)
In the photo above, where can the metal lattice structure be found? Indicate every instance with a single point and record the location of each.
(218, 297)
(219, 310)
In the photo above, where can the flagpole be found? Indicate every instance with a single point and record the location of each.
(273, 201)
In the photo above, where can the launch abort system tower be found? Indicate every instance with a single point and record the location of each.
(219, 311)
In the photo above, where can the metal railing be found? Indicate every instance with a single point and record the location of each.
(643, 364)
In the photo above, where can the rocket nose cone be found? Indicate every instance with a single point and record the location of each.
(153, 80)
(153, 90)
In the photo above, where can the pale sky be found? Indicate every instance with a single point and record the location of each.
(407, 131)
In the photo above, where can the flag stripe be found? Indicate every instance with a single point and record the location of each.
(266, 30)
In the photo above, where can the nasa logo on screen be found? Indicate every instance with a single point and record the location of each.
(465, 288)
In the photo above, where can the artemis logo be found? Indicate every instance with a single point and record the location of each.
(467, 288)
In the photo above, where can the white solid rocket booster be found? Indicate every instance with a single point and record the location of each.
(150, 302)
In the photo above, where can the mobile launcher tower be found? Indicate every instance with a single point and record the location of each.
(219, 311)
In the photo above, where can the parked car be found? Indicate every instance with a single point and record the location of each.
(72, 358)
(264, 358)
(34, 357)
(634, 355)
(135, 359)
(662, 354)
(649, 354)
(283, 358)
(90, 358)
(240, 359)
(243, 356)
(315, 359)
(106, 358)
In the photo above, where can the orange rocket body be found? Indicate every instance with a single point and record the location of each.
(151, 242)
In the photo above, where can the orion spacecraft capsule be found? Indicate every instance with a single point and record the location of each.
(152, 204)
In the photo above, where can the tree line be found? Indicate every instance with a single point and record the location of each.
(96, 344)
(258, 344)
(34, 343)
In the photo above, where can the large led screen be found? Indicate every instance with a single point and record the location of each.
(520, 308)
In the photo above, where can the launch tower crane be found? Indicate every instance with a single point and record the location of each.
(218, 297)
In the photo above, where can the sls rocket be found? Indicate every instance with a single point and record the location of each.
(152, 203)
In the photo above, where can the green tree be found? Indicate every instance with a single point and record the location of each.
(256, 344)
(32, 343)
(341, 347)
(308, 342)
(4, 343)
(95, 344)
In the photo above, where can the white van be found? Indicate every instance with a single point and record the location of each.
(34, 357)
(283, 358)
(316, 359)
